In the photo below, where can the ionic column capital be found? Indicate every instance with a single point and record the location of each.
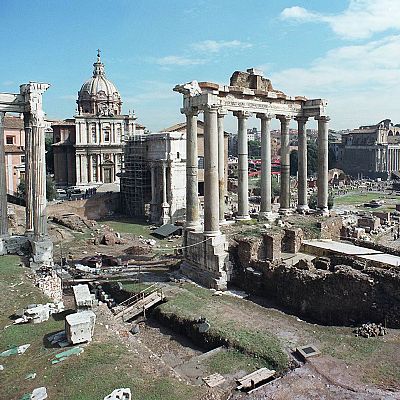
(323, 118)
(301, 119)
(284, 118)
(265, 116)
(242, 114)
(190, 112)
(222, 112)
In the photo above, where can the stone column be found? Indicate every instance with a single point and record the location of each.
(322, 179)
(302, 203)
(266, 191)
(211, 190)
(28, 176)
(3, 187)
(243, 167)
(38, 179)
(221, 164)
(153, 203)
(192, 199)
(285, 165)
(165, 217)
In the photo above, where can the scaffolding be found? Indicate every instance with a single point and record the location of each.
(135, 177)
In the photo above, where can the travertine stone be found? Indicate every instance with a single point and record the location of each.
(243, 167)
(322, 179)
(192, 202)
(302, 203)
(3, 186)
(285, 165)
(266, 192)
(221, 164)
(211, 190)
(28, 176)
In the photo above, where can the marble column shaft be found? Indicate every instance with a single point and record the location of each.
(221, 164)
(302, 203)
(211, 189)
(243, 167)
(285, 164)
(322, 179)
(164, 183)
(266, 191)
(3, 182)
(28, 175)
(192, 199)
(39, 181)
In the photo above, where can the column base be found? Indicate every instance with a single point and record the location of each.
(208, 234)
(3, 248)
(243, 217)
(193, 227)
(324, 211)
(266, 216)
(42, 253)
(206, 261)
(285, 211)
(165, 218)
(302, 208)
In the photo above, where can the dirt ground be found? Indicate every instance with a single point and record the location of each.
(349, 367)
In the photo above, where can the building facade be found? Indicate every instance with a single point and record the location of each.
(88, 148)
(14, 147)
(371, 151)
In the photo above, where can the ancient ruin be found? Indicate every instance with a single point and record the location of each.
(248, 93)
(28, 102)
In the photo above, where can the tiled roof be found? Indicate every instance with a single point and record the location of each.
(12, 122)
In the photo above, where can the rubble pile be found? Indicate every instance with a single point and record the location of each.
(370, 330)
(37, 313)
(47, 280)
(74, 222)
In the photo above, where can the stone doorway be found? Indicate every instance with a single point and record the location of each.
(107, 174)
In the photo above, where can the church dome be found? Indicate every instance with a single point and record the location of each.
(98, 95)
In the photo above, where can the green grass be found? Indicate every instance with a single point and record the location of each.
(195, 301)
(134, 287)
(230, 361)
(131, 226)
(361, 198)
(104, 365)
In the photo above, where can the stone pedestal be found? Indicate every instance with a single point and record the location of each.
(3, 249)
(206, 259)
(42, 253)
(165, 219)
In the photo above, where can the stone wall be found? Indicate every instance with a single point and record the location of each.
(331, 228)
(49, 283)
(96, 207)
(341, 294)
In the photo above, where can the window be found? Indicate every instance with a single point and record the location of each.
(177, 155)
(94, 136)
(107, 136)
(200, 163)
(10, 140)
(22, 159)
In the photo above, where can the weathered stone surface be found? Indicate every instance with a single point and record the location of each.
(273, 246)
(331, 228)
(369, 223)
(79, 327)
(292, 240)
(322, 263)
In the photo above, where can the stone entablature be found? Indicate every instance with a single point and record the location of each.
(249, 93)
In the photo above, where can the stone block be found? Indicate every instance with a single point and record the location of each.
(272, 243)
(83, 298)
(331, 228)
(3, 249)
(305, 264)
(369, 223)
(79, 327)
(292, 240)
(42, 253)
(323, 263)
(384, 217)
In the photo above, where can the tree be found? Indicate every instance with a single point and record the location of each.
(275, 186)
(49, 155)
(51, 192)
(254, 148)
(312, 160)
(313, 201)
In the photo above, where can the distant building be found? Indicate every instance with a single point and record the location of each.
(88, 148)
(14, 140)
(371, 151)
(153, 179)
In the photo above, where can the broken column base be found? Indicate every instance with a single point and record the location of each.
(3, 248)
(206, 259)
(42, 253)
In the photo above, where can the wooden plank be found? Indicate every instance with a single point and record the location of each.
(250, 380)
(214, 380)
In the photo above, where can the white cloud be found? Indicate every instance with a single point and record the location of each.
(178, 61)
(215, 46)
(358, 81)
(360, 20)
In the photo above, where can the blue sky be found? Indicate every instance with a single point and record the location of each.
(345, 51)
